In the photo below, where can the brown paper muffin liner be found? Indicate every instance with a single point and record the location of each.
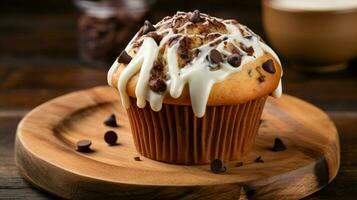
(175, 135)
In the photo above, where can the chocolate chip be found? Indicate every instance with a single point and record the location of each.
(155, 36)
(215, 56)
(238, 164)
(83, 145)
(124, 57)
(234, 60)
(157, 85)
(148, 27)
(278, 145)
(261, 78)
(259, 160)
(248, 50)
(195, 16)
(111, 121)
(137, 158)
(217, 166)
(268, 66)
(110, 137)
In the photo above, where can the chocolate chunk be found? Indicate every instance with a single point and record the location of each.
(215, 56)
(234, 60)
(261, 78)
(195, 16)
(83, 145)
(259, 160)
(238, 164)
(148, 27)
(248, 50)
(124, 57)
(278, 145)
(137, 158)
(155, 36)
(157, 85)
(268, 66)
(217, 166)
(111, 121)
(110, 137)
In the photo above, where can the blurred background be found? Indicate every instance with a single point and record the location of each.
(52, 47)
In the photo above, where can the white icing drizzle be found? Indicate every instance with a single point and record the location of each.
(199, 74)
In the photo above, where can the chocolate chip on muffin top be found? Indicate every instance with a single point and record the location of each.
(194, 49)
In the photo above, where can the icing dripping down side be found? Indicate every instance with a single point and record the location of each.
(199, 74)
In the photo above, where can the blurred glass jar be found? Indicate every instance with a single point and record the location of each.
(105, 26)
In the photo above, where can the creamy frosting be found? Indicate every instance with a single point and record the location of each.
(199, 73)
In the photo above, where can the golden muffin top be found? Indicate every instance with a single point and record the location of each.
(195, 59)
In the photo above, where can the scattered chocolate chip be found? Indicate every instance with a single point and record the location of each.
(238, 164)
(217, 166)
(259, 160)
(234, 60)
(148, 27)
(157, 85)
(278, 145)
(124, 57)
(110, 137)
(195, 16)
(83, 145)
(111, 121)
(155, 36)
(137, 158)
(268, 66)
(215, 56)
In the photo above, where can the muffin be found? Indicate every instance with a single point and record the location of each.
(194, 87)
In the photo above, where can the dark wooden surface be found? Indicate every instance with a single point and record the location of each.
(38, 61)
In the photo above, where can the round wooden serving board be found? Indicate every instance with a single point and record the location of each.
(46, 155)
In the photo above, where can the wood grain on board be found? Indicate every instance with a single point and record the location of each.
(46, 155)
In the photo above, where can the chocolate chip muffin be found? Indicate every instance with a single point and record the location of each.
(194, 87)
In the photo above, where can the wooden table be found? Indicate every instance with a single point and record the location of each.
(38, 61)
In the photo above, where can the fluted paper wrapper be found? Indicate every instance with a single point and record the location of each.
(175, 135)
